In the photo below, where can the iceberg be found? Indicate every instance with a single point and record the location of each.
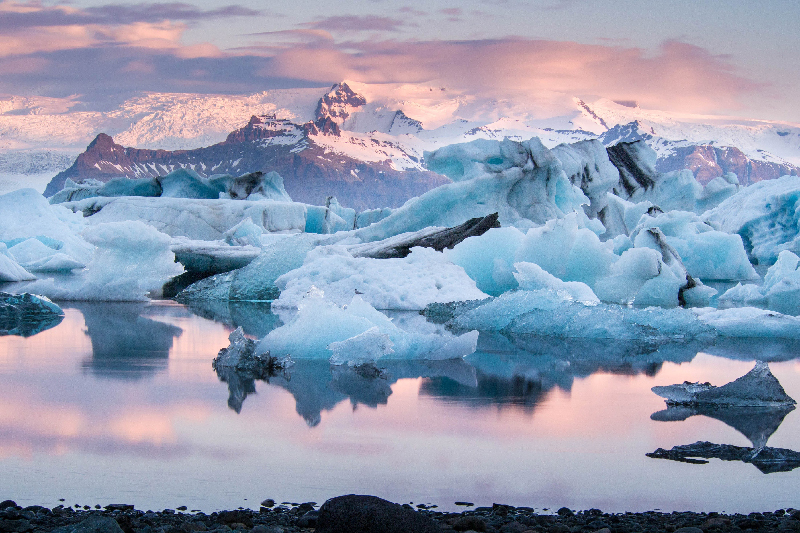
(26, 215)
(780, 291)
(766, 215)
(435, 238)
(756, 388)
(240, 357)
(212, 257)
(587, 166)
(706, 253)
(489, 259)
(195, 219)
(521, 181)
(768, 460)
(27, 314)
(132, 260)
(10, 270)
(320, 323)
(180, 183)
(409, 283)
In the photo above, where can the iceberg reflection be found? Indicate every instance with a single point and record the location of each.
(125, 344)
(755, 405)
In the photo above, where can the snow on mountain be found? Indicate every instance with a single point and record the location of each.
(390, 124)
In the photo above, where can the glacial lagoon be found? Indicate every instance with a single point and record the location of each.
(119, 404)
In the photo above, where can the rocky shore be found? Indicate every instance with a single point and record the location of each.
(369, 514)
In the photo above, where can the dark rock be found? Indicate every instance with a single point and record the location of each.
(269, 502)
(513, 527)
(565, 511)
(309, 519)
(500, 509)
(15, 526)
(465, 504)
(234, 517)
(119, 507)
(466, 523)
(438, 240)
(370, 514)
(93, 524)
(8, 503)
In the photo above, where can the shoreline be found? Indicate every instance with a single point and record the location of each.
(342, 514)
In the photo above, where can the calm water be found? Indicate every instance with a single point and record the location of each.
(119, 403)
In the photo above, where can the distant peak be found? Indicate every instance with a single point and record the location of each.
(337, 105)
(101, 141)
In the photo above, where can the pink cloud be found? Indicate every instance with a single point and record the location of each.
(679, 76)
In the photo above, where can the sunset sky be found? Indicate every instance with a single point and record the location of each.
(735, 57)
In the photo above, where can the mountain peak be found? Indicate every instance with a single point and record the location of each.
(337, 105)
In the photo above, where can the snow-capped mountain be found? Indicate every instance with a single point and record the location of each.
(375, 125)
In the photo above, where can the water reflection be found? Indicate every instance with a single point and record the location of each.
(755, 405)
(255, 318)
(125, 344)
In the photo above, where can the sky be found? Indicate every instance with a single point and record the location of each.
(733, 57)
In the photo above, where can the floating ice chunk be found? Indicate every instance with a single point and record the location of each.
(756, 388)
(253, 186)
(240, 357)
(35, 256)
(371, 216)
(438, 239)
(410, 283)
(365, 348)
(244, 233)
(256, 281)
(717, 191)
(523, 182)
(780, 291)
(25, 214)
(319, 324)
(676, 190)
(489, 259)
(750, 322)
(27, 314)
(532, 277)
(131, 260)
(10, 270)
(195, 219)
(212, 257)
(742, 295)
(765, 214)
(186, 183)
(705, 252)
(551, 314)
(568, 251)
(587, 166)
(620, 217)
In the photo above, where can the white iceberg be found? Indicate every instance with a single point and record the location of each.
(26, 214)
(409, 283)
(195, 219)
(320, 323)
(132, 260)
(706, 253)
(780, 291)
(522, 181)
(766, 215)
(10, 270)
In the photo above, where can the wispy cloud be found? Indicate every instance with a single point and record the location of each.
(19, 15)
(356, 23)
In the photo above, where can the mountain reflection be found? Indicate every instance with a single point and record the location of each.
(126, 345)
